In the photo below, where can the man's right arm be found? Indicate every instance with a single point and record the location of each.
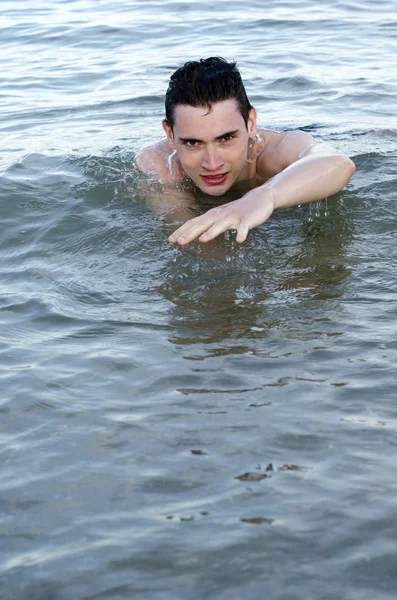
(160, 161)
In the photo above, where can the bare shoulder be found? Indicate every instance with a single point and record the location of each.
(160, 161)
(281, 149)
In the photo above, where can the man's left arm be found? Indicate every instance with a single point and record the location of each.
(305, 171)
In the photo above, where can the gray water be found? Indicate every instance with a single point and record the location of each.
(208, 422)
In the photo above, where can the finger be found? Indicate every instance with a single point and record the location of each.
(199, 224)
(186, 235)
(181, 230)
(217, 228)
(195, 227)
(242, 232)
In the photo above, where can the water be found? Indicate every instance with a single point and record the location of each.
(207, 422)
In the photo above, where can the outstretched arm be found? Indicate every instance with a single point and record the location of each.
(305, 171)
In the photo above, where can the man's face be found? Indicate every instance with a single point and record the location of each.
(212, 146)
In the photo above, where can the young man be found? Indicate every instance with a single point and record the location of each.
(212, 139)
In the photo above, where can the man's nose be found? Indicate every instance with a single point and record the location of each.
(212, 159)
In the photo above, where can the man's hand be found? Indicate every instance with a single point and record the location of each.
(253, 209)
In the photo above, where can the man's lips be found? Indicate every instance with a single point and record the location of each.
(214, 179)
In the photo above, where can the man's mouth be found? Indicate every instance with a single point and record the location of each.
(214, 179)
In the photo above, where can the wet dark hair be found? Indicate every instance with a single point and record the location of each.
(204, 82)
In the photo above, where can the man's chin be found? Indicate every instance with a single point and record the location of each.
(214, 190)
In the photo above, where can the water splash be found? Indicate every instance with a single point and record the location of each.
(169, 160)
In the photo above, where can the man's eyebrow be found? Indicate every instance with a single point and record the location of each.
(218, 137)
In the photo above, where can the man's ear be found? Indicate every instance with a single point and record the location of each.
(251, 123)
(168, 133)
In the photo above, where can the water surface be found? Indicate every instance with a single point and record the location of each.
(216, 421)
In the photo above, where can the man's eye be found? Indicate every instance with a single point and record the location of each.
(227, 138)
(191, 143)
